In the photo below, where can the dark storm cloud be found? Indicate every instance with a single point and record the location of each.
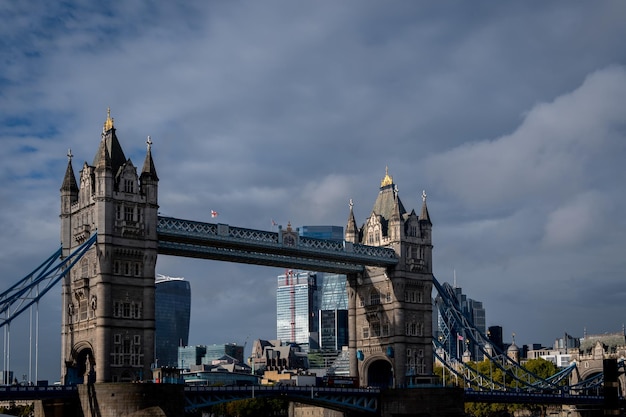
(508, 114)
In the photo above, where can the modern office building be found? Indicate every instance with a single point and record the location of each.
(312, 307)
(296, 309)
(216, 352)
(495, 336)
(333, 314)
(332, 296)
(172, 315)
(193, 356)
(322, 232)
(190, 356)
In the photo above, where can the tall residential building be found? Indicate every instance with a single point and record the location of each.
(172, 315)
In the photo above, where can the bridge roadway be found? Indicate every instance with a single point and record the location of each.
(362, 400)
(342, 399)
(198, 397)
(523, 397)
(284, 248)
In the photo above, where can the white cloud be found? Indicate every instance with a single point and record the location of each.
(547, 157)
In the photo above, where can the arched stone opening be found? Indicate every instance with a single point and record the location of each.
(379, 374)
(81, 368)
(128, 376)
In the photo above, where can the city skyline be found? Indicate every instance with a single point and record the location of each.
(509, 116)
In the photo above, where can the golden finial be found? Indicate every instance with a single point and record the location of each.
(388, 180)
(108, 124)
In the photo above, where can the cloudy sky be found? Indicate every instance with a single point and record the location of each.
(511, 115)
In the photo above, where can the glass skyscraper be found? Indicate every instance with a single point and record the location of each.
(312, 307)
(296, 308)
(333, 315)
(172, 315)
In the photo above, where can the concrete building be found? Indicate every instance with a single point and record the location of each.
(108, 321)
(172, 313)
(223, 371)
(276, 355)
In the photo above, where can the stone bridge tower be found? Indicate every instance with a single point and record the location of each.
(108, 323)
(390, 310)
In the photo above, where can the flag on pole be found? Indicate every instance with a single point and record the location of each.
(274, 223)
(214, 213)
(459, 337)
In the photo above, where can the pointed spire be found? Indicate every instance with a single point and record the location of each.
(112, 146)
(351, 227)
(424, 216)
(69, 181)
(148, 170)
(103, 159)
(108, 123)
(387, 180)
(385, 204)
(395, 214)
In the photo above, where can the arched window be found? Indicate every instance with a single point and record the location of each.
(374, 297)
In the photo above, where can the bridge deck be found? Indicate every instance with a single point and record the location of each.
(346, 399)
(234, 244)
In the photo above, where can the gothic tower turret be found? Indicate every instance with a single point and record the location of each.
(390, 309)
(69, 196)
(352, 231)
(108, 322)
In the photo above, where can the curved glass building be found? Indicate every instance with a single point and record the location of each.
(172, 314)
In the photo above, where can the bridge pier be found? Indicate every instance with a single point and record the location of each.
(419, 402)
(117, 399)
(58, 408)
(121, 399)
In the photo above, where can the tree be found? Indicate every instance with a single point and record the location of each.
(251, 407)
(541, 368)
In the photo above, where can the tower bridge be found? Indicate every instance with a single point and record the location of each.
(108, 323)
(110, 216)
